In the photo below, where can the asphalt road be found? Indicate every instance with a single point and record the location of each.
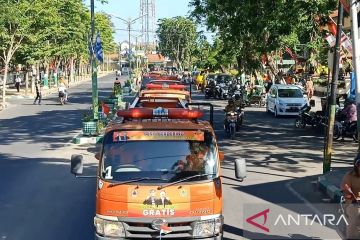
(40, 199)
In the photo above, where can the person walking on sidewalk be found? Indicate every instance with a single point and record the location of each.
(309, 88)
(17, 83)
(38, 87)
(351, 189)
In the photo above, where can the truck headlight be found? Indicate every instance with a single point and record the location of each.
(109, 228)
(207, 228)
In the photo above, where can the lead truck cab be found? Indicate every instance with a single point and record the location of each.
(158, 176)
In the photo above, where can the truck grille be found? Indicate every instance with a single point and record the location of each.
(145, 231)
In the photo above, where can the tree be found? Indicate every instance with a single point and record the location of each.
(212, 56)
(48, 31)
(177, 38)
(17, 24)
(251, 28)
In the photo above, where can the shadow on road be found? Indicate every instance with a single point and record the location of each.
(43, 127)
(57, 210)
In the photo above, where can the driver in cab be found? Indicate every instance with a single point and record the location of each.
(195, 161)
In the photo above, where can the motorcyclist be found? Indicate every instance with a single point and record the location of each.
(62, 89)
(351, 189)
(350, 114)
(350, 111)
(238, 101)
(211, 84)
(117, 82)
(200, 80)
(231, 107)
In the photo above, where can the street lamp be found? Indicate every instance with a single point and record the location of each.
(129, 23)
(136, 39)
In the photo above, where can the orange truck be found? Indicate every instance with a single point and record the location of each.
(166, 90)
(158, 177)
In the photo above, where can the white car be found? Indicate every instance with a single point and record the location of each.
(285, 100)
(126, 71)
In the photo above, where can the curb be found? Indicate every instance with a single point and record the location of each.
(81, 139)
(333, 192)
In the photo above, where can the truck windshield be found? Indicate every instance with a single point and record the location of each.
(159, 160)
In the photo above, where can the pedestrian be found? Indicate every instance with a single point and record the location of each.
(309, 88)
(351, 189)
(341, 73)
(17, 83)
(38, 87)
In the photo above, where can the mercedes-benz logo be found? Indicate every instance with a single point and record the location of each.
(157, 223)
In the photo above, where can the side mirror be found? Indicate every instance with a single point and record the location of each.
(312, 103)
(273, 95)
(77, 166)
(240, 168)
(221, 155)
(98, 156)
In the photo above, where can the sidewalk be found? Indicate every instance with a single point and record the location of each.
(12, 94)
(329, 183)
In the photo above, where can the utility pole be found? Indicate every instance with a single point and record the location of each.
(332, 101)
(95, 104)
(120, 56)
(129, 55)
(356, 57)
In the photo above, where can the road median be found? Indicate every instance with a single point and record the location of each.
(329, 184)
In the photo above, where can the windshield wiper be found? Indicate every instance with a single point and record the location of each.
(135, 180)
(185, 179)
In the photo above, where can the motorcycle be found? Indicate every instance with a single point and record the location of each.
(222, 91)
(233, 122)
(62, 98)
(343, 129)
(210, 91)
(231, 119)
(308, 118)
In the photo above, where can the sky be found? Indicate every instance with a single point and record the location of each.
(131, 9)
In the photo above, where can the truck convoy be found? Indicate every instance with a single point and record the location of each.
(159, 173)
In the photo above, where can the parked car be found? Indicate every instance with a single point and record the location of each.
(285, 100)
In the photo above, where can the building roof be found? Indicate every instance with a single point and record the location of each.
(155, 58)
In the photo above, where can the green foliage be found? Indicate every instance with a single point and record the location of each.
(177, 38)
(86, 117)
(250, 28)
(106, 29)
(117, 91)
(49, 30)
